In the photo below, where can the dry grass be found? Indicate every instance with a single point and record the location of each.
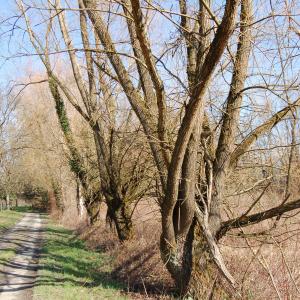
(264, 271)
(137, 263)
(265, 266)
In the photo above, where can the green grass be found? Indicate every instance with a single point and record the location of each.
(6, 255)
(25, 209)
(8, 218)
(70, 271)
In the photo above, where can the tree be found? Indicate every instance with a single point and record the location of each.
(202, 56)
(120, 188)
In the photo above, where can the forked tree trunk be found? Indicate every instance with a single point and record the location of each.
(118, 210)
(108, 168)
(195, 274)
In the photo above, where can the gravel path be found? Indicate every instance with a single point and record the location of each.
(18, 276)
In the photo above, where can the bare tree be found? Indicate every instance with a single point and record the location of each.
(192, 275)
(120, 189)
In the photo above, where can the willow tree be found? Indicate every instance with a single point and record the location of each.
(191, 194)
(122, 161)
(37, 151)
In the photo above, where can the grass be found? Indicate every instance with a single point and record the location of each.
(8, 218)
(71, 271)
(6, 255)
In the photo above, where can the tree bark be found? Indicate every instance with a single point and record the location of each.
(205, 279)
(119, 211)
(7, 198)
(93, 210)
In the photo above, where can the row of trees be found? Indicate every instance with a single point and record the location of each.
(175, 101)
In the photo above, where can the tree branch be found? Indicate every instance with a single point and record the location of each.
(157, 82)
(232, 114)
(257, 218)
(135, 98)
(257, 132)
(194, 111)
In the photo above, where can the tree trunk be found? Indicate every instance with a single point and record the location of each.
(118, 210)
(193, 269)
(92, 201)
(93, 210)
(57, 189)
(205, 278)
(51, 202)
(184, 210)
(79, 199)
(7, 201)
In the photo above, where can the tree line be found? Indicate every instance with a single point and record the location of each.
(190, 103)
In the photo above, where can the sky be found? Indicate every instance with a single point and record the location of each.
(11, 68)
(19, 69)
(14, 43)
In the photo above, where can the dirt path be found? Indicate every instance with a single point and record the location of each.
(17, 277)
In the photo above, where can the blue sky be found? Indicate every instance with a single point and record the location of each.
(12, 44)
(9, 69)
(14, 68)
(18, 69)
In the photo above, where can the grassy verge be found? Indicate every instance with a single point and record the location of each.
(8, 218)
(70, 271)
